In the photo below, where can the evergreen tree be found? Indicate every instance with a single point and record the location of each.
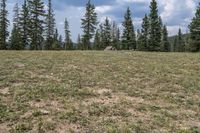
(79, 43)
(165, 43)
(180, 42)
(89, 23)
(118, 37)
(68, 41)
(15, 39)
(115, 36)
(138, 39)
(24, 24)
(36, 24)
(3, 25)
(97, 41)
(55, 41)
(144, 38)
(60, 40)
(195, 32)
(102, 37)
(50, 27)
(128, 38)
(155, 28)
(175, 44)
(107, 33)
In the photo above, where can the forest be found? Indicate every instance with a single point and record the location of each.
(34, 28)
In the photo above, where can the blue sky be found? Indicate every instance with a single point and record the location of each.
(175, 13)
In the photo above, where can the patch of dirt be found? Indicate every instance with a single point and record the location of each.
(19, 65)
(4, 91)
(49, 105)
(44, 76)
(69, 128)
(4, 128)
(103, 91)
(18, 84)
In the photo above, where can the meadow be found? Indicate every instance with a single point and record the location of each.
(97, 92)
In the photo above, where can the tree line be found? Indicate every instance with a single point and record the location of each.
(34, 28)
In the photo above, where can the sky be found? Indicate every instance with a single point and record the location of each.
(175, 13)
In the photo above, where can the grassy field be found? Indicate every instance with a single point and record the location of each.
(97, 92)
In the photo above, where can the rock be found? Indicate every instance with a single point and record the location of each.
(19, 65)
(110, 48)
(44, 112)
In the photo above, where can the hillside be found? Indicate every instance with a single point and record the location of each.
(171, 38)
(99, 92)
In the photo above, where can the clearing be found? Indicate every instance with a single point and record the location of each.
(99, 92)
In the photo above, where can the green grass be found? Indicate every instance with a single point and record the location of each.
(99, 92)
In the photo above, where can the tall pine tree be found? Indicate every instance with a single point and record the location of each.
(128, 38)
(144, 38)
(68, 41)
(24, 24)
(3, 25)
(180, 41)
(36, 24)
(97, 41)
(195, 32)
(15, 39)
(89, 23)
(165, 43)
(155, 28)
(50, 27)
(107, 33)
(115, 35)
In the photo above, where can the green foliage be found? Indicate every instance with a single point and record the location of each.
(97, 41)
(155, 30)
(4, 22)
(128, 38)
(36, 24)
(89, 23)
(16, 38)
(23, 24)
(106, 33)
(165, 43)
(144, 37)
(68, 41)
(79, 43)
(50, 28)
(115, 36)
(195, 32)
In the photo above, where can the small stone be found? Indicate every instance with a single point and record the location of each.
(19, 65)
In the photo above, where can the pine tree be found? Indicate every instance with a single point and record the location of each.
(165, 43)
(195, 32)
(180, 42)
(128, 38)
(115, 36)
(89, 23)
(36, 24)
(68, 41)
(55, 41)
(24, 24)
(3, 25)
(97, 41)
(102, 37)
(144, 38)
(107, 33)
(50, 27)
(155, 28)
(175, 44)
(15, 39)
(60, 40)
(79, 43)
